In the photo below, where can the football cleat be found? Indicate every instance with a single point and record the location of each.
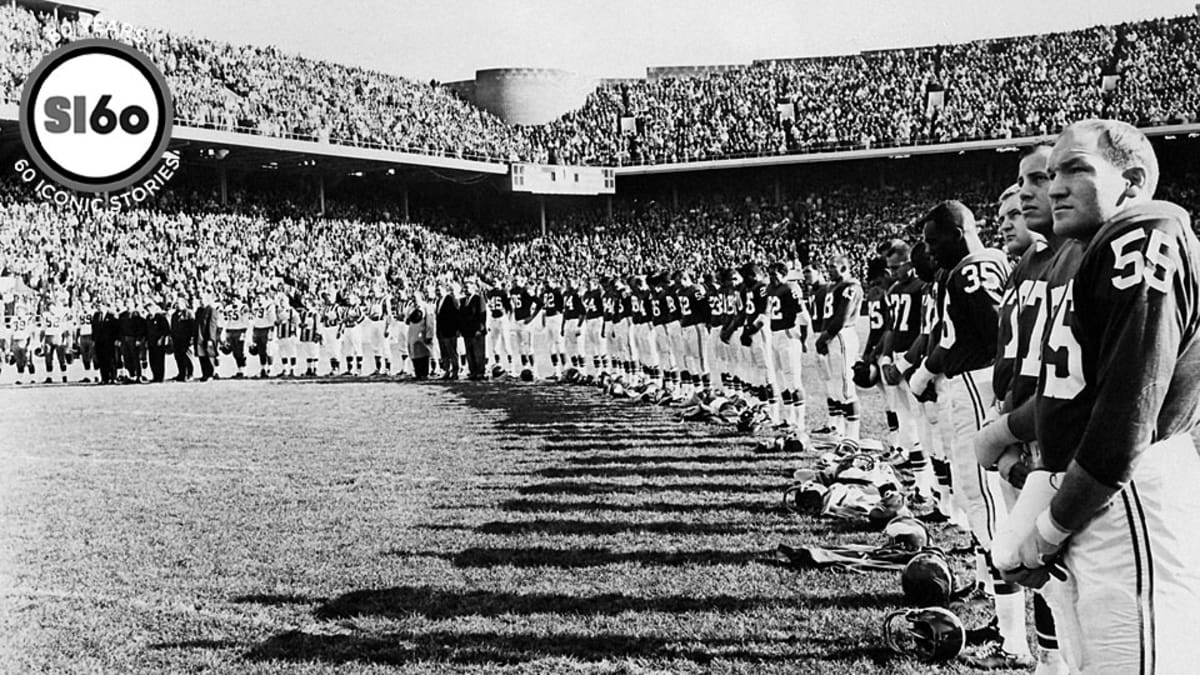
(806, 498)
(927, 579)
(932, 634)
(995, 657)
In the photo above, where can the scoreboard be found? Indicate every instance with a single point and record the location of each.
(554, 179)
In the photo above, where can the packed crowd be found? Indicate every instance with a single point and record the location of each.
(882, 98)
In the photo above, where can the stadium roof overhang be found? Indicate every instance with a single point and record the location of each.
(238, 152)
(72, 8)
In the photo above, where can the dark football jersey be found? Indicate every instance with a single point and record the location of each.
(670, 304)
(658, 308)
(498, 303)
(552, 301)
(352, 316)
(1121, 360)
(817, 306)
(693, 309)
(288, 322)
(592, 307)
(879, 321)
(307, 325)
(843, 302)
(640, 311)
(572, 306)
(1035, 307)
(786, 301)
(1024, 284)
(906, 302)
(523, 303)
(755, 303)
(716, 307)
(969, 314)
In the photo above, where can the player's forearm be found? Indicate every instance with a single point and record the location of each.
(1080, 498)
(1022, 421)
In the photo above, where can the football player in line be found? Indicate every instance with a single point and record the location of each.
(287, 327)
(787, 348)
(819, 301)
(838, 342)
(22, 329)
(914, 433)
(572, 328)
(551, 324)
(1018, 322)
(692, 301)
(1124, 472)
(353, 316)
(963, 355)
(56, 330)
(525, 306)
(499, 336)
(309, 335)
(329, 332)
(593, 328)
(879, 317)
(236, 323)
(715, 351)
(87, 344)
(263, 323)
(378, 331)
(641, 331)
(756, 370)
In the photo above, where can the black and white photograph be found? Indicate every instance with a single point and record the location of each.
(641, 338)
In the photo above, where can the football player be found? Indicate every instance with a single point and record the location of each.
(787, 348)
(659, 316)
(1116, 429)
(838, 341)
(83, 338)
(377, 331)
(757, 372)
(55, 341)
(525, 306)
(353, 316)
(572, 333)
(237, 322)
(714, 349)
(963, 355)
(879, 319)
(22, 325)
(264, 332)
(693, 325)
(287, 329)
(308, 335)
(329, 332)
(914, 433)
(641, 334)
(593, 326)
(499, 325)
(817, 292)
(552, 324)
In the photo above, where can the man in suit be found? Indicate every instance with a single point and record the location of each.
(131, 327)
(472, 324)
(158, 336)
(208, 332)
(103, 322)
(446, 318)
(183, 330)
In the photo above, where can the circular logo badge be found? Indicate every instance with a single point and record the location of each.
(96, 115)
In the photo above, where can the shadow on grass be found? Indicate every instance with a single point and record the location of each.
(626, 471)
(272, 599)
(620, 458)
(591, 527)
(544, 506)
(538, 556)
(198, 644)
(479, 648)
(434, 603)
(589, 488)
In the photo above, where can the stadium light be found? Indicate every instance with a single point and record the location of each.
(899, 156)
(1169, 138)
(356, 174)
(391, 172)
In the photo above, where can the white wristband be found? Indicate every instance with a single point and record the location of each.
(902, 364)
(1050, 530)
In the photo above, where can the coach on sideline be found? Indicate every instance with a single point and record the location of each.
(446, 326)
(208, 332)
(472, 324)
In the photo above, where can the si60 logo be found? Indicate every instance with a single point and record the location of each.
(96, 115)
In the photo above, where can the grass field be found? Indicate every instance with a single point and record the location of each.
(380, 527)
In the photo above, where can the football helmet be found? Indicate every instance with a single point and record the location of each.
(252, 349)
(750, 420)
(892, 505)
(865, 374)
(39, 351)
(527, 375)
(571, 375)
(497, 371)
(927, 579)
(931, 634)
(807, 497)
(906, 532)
(226, 349)
(847, 447)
